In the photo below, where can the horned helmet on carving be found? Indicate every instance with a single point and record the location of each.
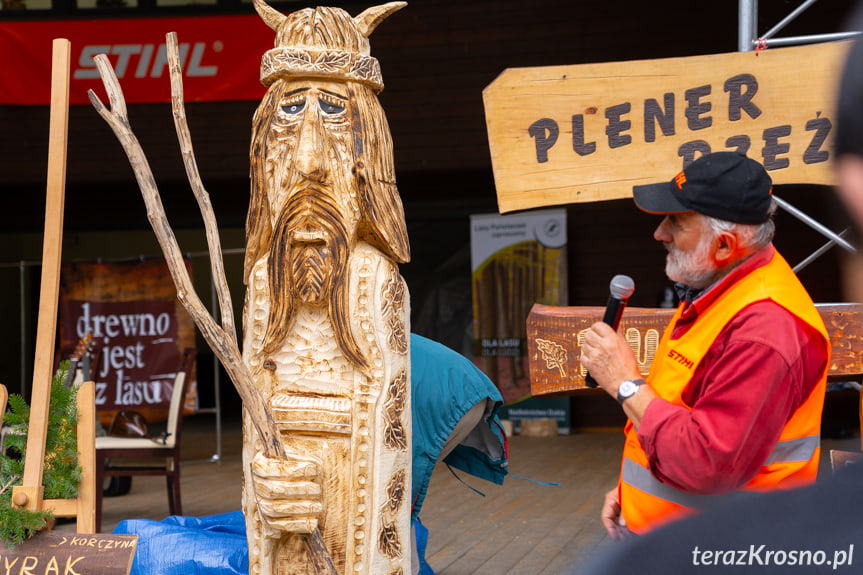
(328, 43)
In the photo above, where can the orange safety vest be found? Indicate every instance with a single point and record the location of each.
(646, 502)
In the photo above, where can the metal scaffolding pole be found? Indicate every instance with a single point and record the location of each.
(785, 21)
(814, 224)
(811, 39)
(747, 25)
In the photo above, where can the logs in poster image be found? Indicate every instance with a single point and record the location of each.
(505, 287)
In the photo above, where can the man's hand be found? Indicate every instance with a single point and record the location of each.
(611, 518)
(289, 493)
(608, 357)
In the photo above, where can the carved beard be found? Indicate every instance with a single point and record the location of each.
(308, 261)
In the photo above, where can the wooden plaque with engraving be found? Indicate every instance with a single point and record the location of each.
(555, 334)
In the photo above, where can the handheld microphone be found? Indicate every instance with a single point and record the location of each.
(621, 288)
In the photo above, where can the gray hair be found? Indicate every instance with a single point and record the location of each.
(750, 236)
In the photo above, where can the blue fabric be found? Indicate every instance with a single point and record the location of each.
(211, 545)
(422, 537)
(444, 386)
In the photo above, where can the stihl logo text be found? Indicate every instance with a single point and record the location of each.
(147, 60)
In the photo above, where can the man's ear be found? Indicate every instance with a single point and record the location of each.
(725, 248)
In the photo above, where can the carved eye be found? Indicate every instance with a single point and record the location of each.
(294, 107)
(330, 108)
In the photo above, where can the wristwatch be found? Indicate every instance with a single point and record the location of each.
(628, 388)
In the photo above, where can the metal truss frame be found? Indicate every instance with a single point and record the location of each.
(747, 40)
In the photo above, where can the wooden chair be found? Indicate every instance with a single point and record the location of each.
(113, 454)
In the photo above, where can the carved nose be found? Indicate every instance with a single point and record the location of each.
(310, 160)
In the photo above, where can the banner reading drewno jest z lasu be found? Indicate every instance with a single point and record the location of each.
(139, 327)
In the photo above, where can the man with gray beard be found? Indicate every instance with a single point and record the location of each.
(734, 396)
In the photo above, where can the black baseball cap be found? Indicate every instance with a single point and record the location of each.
(724, 185)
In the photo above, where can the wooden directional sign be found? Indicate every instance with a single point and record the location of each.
(567, 134)
(71, 554)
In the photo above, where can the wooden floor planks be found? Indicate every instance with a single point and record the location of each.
(518, 528)
(505, 532)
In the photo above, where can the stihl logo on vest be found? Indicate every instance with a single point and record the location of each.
(679, 358)
(146, 60)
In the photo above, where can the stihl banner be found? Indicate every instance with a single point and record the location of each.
(220, 55)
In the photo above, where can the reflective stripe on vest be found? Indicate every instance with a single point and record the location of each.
(645, 501)
(800, 449)
(641, 478)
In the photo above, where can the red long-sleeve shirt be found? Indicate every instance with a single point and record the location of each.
(761, 367)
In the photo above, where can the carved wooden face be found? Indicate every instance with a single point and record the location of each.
(310, 148)
(311, 192)
(322, 180)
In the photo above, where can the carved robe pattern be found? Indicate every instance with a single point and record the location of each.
(330, 411)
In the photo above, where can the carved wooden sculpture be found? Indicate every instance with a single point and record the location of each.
(326, 311)
(325, 370)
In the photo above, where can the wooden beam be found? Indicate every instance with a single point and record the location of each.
(61, 507)
(51, 254)
(86, 503)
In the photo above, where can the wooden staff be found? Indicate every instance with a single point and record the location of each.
(221, 339)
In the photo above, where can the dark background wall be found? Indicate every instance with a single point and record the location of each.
(436, 57)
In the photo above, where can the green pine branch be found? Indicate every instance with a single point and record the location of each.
(61, 474)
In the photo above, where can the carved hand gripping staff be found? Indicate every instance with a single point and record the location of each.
(325, 370)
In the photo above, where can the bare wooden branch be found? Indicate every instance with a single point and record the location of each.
(222, 340)
(223, 344)
(212, 231)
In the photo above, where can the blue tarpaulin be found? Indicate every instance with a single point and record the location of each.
(210, 545)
